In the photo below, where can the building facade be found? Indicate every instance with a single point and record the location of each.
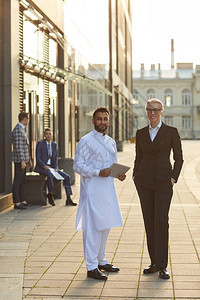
(120, 69)
(31, 53)
(179, 91)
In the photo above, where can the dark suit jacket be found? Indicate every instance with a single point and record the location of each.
(152, 163)
(42, 156)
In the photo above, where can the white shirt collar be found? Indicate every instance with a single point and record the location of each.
(158, 126)
(21, 125)
(98, 133)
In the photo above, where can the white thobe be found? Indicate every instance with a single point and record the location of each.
(96, 152)
(98, 209)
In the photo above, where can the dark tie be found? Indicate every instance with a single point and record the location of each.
(49, 150)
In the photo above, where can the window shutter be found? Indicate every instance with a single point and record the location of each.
(46, 83)
(21, 72)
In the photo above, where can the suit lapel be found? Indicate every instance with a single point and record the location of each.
(45, 146)
(147, 135)
(148, 138)
(52, 148)
(160, 133)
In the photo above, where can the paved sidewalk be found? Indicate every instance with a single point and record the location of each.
(41, 254)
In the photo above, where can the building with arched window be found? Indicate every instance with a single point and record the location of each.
(168, 97)
(178, 89)
(151, 94)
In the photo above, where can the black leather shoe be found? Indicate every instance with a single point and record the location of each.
(108, 268)
(70, 202)
(96, 274)
(151, 269)
(20, 206)
(51, 199)
(164, 274)
(25, 204)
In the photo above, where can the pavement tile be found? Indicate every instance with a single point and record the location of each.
(162, 293)
(52, 276)
(188, 272)
(186, 278)
(13, 285)
(46, 291)
(53, 283)
(80, 292)
(107, 292)
(123, 278)
(28, 283)
(188, 294)
(53, 270)
(88, 283)
(83, 297)
(192, 285)
(157, 298)
(7, 266)
(41, 263)
(121, 285)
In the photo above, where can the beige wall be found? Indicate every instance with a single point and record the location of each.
(53, 10)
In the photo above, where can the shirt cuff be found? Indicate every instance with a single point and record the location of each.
(96, 172)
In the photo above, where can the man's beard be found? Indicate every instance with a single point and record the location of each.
(99, 129)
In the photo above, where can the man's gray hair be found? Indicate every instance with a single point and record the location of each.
(154, 100)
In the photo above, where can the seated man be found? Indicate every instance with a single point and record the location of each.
(46, 158)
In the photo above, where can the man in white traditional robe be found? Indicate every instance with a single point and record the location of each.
(98, 209)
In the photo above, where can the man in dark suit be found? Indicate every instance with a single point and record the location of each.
(46, 158)
(21, 159)
(154, 177)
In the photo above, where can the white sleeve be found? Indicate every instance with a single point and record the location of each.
(115, 153)
(81, 161)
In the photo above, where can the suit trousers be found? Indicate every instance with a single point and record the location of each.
(18, 183)
(66, 181)
(155, 204)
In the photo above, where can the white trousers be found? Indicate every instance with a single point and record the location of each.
(94, 242)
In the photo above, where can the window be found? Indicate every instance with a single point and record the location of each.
(186, 123)
(135, 123)
(78, 91)
(92, 98)
(31, 39)
(168, 97)
(52, 52)
(151, 94)
(135, 97)
(69, 88)
(101, 100)
(186, 98)
(169, 121)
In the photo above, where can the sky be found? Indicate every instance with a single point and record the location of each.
(88, 17)
(155, 23)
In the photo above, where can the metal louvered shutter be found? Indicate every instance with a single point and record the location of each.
(21, 72)
(46, 83)
(46, 104)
